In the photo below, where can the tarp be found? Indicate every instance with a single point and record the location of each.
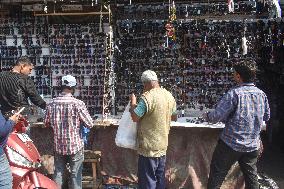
(188, 157)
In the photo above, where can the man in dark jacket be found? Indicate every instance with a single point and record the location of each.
(16, 87)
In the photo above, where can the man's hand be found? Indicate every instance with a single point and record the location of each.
(205, 116)
(133, 99)
(15, 118)
(133, 104)
(174, 117)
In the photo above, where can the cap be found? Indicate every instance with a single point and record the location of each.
(69, 81)
(149, 75)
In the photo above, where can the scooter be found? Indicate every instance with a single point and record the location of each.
(24, 160)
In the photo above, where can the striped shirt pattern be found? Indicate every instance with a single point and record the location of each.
(64, 114)
(15, 89)
(243, 110)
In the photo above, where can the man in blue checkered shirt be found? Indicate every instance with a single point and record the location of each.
(243, 110)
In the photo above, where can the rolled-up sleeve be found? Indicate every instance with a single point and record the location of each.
(141, 108)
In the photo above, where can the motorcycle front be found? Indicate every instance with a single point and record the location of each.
(24, 160)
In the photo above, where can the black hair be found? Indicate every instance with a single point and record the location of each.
(247, 70)
(67, 87)
(23, 60)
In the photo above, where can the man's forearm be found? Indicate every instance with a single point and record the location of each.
(38, 101)
(33, 95)
(134, 117)
(132, 107)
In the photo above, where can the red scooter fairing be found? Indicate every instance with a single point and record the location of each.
(20, 146)
(23, 178)
(24, 160)
(36, 180)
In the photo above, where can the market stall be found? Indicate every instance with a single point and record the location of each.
(192, 47)
(190, 149)
(191, 144)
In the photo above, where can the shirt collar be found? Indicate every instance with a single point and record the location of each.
(247, 84)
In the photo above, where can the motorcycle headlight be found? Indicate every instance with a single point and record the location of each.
(20, 160)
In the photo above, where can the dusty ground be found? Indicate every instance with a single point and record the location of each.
(272, 164)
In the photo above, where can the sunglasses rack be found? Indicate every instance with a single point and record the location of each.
(60, 49)
(197, 69)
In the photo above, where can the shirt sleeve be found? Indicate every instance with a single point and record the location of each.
(224, 107)
(33, 95)
(47, 117)
(85, 117)
(266, 116)
(6, 126)
(141, 108)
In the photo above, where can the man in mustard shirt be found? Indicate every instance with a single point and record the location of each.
(154, 112)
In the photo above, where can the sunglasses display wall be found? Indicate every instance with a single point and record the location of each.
(184, 10)
(198, 68)
(60, 49)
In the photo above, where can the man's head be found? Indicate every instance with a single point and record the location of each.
(23, 65)
(149, 80)
(68, 83)
(245, 71)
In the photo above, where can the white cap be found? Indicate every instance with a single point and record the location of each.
(149, 75)
(69, 81)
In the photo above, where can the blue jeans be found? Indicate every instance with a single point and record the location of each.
(6, 178)
(151, 172)
(75, 167)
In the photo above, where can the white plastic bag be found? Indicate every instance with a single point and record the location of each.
(127, 131)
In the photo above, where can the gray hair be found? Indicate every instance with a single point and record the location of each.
(148, 75)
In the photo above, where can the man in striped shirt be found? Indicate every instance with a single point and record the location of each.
(243, 110)
(64, 114)
(16, 87)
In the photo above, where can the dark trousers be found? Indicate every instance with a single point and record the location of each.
(223, 159)
(151, 172)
